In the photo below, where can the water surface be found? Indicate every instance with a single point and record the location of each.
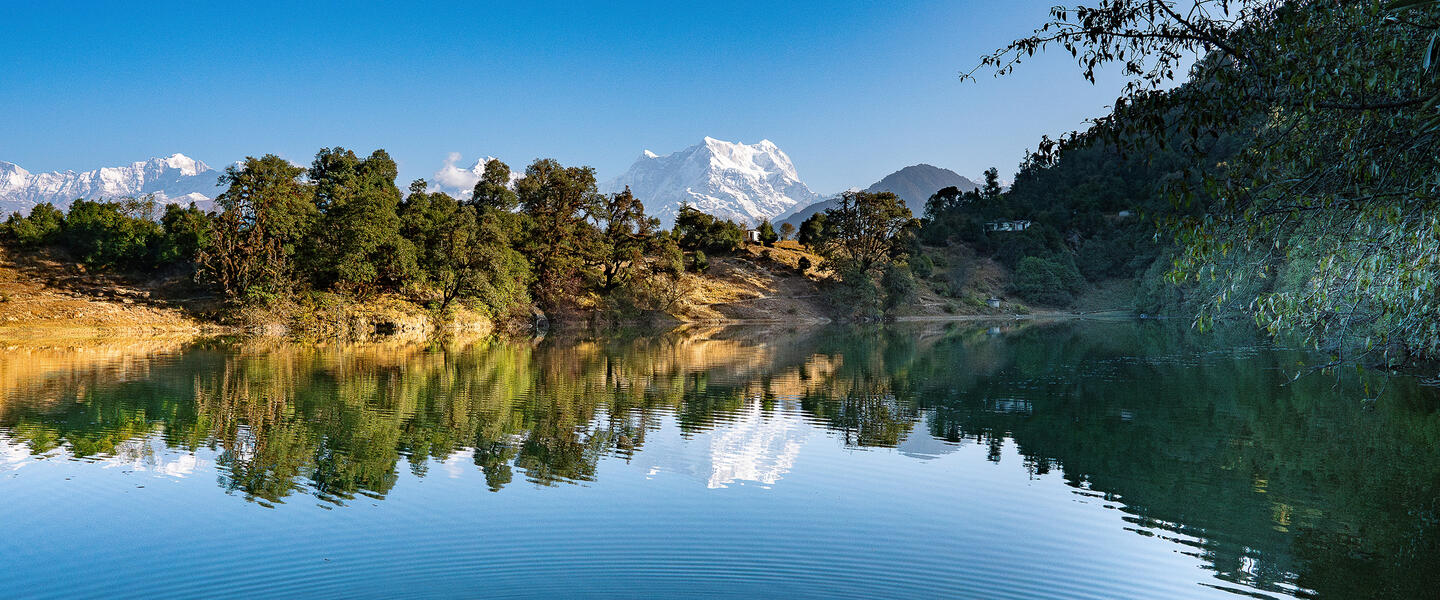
(1074, 460)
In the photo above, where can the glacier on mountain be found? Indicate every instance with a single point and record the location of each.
(743, 182)
(173, 179)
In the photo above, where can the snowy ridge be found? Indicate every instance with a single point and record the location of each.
(743, 182)
(174, 179)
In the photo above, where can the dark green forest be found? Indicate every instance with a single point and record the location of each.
(1292, 150)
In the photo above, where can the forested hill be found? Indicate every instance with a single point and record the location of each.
(1307, 147)
(915, 183)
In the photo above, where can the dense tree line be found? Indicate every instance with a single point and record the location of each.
(1322, 221)
(1088, 211)
(128, 234)
(280, 231)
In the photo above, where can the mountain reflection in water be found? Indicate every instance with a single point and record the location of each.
(1325, 487)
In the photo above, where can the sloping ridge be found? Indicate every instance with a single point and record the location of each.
(913, 184)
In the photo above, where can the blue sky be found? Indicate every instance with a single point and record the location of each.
(851, 91)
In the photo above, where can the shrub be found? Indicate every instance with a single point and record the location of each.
(185, 232)
(857, 292)
(42, 227)
(700, 262)
(110, 234)
(1046, 281)
(804, 264)
(898, 285)
(922, 266)
(955, 279)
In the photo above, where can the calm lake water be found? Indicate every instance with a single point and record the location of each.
(1068, 460)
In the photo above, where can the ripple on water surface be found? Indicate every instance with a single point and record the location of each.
(1074, 460)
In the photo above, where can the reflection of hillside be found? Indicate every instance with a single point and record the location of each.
(1196, 439)
(34, 374)
(335, 421)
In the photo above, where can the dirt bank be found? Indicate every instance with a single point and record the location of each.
(44, 297)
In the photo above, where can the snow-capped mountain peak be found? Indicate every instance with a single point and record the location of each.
(185, 165)
(174, 179)
(743, 182)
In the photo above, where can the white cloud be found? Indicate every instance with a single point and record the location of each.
(456, 180)
(459, 181)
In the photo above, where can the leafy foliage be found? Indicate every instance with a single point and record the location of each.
(120, 235)
(359, 241)
(624, 231)
(265, 215)
(865, 237)
(700, 231)
(493, 190)
(866, 229)
(462, 251)
(767, 233)
(1338, 169)
(556, 201)
(41, 227)
(1047, 281)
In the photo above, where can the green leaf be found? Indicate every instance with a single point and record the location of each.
(1395, 5)
(1430, 51)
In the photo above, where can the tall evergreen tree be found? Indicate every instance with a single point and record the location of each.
(557, 200)
(264, 216)
(767, 233)
(493, 190)
(360, 233)
(991, 190)
(623, 231)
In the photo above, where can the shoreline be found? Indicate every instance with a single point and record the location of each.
(66, 334)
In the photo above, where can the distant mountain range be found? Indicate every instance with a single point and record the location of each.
(913, 184)
(745, 183)
(173, 179)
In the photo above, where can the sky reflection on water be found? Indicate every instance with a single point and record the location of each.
(1042, 460)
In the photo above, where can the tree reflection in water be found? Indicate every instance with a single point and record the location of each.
(1200, 438)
